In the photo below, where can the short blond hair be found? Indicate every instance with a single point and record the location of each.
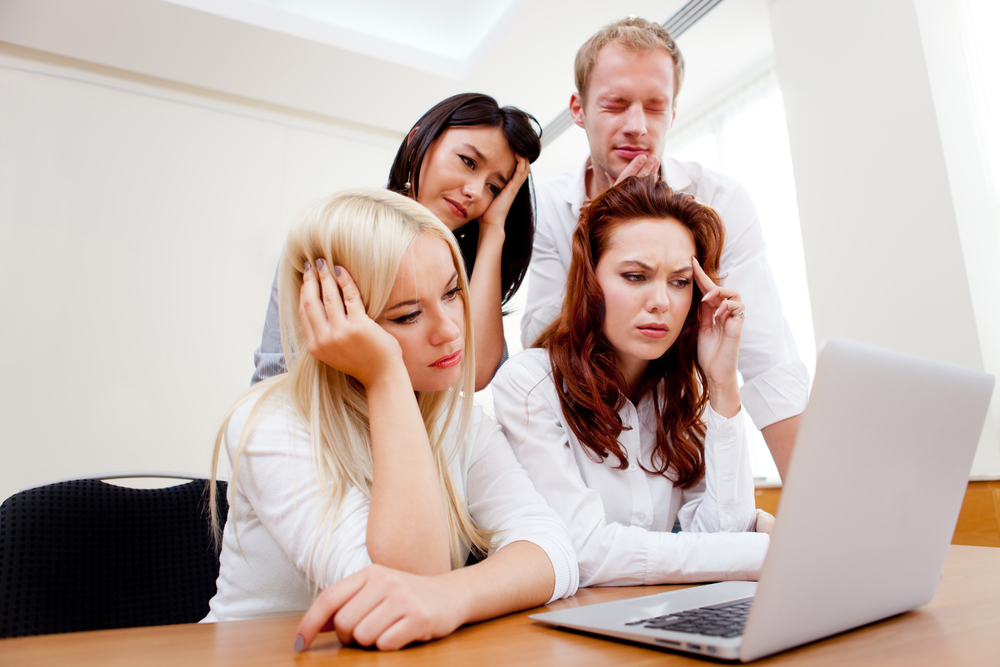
(633, 33)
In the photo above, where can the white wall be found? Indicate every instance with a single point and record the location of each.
(900, 241)
(140, 225)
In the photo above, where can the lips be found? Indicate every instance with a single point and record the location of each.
(654, 330)
(456, 208)
(448, 361)
(630, 152)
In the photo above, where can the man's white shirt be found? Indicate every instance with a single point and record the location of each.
(776, 383)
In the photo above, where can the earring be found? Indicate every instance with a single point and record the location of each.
(407, 186)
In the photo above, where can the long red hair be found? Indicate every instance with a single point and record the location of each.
(591, 389)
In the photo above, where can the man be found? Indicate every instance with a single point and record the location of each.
(627, 78)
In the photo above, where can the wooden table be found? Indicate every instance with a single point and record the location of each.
(961, 626)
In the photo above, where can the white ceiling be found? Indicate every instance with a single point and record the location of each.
(379, 63)
(445, 37)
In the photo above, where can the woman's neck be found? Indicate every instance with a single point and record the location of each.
(632, 371)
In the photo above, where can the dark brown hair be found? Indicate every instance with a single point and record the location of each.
(591, 389)
(518, 127)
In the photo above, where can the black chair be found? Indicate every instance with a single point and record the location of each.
(87, 555)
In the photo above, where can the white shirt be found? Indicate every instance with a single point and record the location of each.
(620, 520)
(277, 507)
(776, 381)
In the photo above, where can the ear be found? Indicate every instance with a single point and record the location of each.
(410, 135)
(576, 108)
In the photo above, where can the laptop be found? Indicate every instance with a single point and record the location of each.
(874, 488)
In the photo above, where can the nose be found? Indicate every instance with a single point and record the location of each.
(473, 191)
(445, 329)
(658, 299)
(635, 120)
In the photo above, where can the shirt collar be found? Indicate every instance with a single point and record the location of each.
(674, 175)
(576, 193)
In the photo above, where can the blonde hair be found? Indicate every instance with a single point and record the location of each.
(633, 33)
(367, 232)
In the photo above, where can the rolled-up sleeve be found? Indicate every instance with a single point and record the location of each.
(776, 383)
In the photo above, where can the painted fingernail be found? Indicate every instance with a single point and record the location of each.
(308, 268)
(337, 271)
(300, 644)
(320, 264)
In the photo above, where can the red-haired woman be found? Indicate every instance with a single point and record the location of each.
(627, 412)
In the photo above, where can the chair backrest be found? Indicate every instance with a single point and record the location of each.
(86, 555)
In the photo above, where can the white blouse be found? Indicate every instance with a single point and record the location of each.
(620, 520)
(268, 546)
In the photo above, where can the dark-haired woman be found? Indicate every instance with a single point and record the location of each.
(467, 161)
(627, 415)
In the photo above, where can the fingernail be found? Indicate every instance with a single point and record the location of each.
(320, 263)
(336, 271)
(300, 644)
(308, 268)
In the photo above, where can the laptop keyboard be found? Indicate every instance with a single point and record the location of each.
(721, 620)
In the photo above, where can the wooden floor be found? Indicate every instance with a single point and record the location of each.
(978, 522)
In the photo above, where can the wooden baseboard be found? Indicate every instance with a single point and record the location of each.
(978, 522)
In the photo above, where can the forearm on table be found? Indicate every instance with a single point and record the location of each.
(695, 557)
(518, 576)
(486, 305)
(407, 523)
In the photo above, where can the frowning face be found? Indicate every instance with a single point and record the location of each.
(426, 315)
(646, 275)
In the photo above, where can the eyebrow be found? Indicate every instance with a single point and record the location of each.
(416, 302)
(482, 157)
(410, 302)
(635, 262)
(643, 265)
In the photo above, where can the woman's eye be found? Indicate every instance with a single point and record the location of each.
(409, 318)
(452, 294)
(495, 189)
(633, 277)
(469, 162)
(681, 283)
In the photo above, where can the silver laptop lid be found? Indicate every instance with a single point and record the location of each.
(874, 488)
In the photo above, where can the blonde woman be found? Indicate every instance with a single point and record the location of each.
(373, 478)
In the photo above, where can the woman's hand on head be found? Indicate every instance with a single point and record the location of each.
(337, 329)
(496, 215)
(719, 331)
(382, 607)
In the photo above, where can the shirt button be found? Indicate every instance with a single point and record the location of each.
(632, 467)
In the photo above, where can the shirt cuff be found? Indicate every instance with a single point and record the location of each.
(714, 421)
(564, 566)
(778, 394)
